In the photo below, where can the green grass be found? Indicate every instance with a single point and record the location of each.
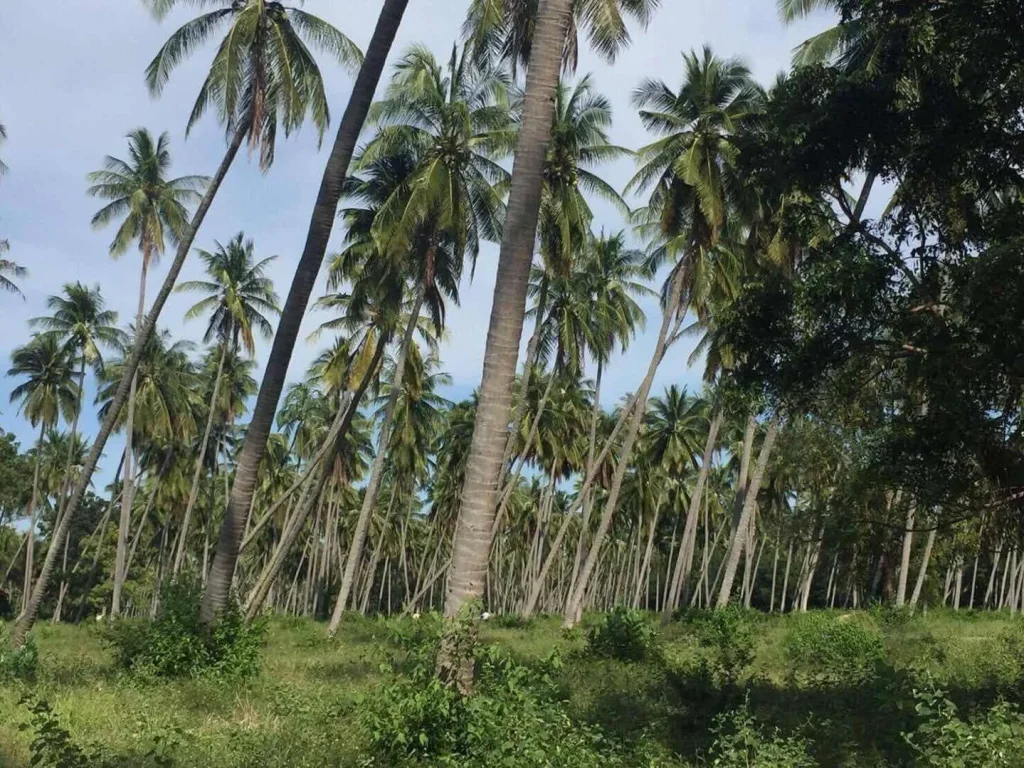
(302, 710)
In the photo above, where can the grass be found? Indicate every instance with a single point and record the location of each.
(302, 710)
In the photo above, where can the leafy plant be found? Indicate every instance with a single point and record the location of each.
(52, 745)
(177, 644)
(943, 739)
(624, 634)
(834, 650)
(742, 743)
(18, 663)
(727, 638)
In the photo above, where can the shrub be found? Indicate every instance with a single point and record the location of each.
(176, 644)
(741, 743)
(624, 635)
(834, 650)
(513, 718)
(18, 663)
(991, 740)
(727, 639)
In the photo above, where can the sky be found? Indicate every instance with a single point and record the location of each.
(71, 88)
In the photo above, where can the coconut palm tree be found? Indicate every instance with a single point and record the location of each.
(262, 76)
(306, 272)
(80, 321)
(691, 170)
(48, 393)
(455, 123)
(154, 214)
(239, 299)
(550, 27)
(165, 394)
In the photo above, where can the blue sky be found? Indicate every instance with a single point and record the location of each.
(71, 87)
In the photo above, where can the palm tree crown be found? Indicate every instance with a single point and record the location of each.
(153, 206)
(263, 74)
(240, 297)
(79, 320)
(49, 390)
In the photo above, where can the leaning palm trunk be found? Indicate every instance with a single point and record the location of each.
(321, 223)
(472, 541)
(128, 492)
(924, 568)
(672, 311)
(684, 559)
(131, 366)
(312, 493)
(30, 534)
(750, 501)
(355, 550)
(193, 494)
(908, 542)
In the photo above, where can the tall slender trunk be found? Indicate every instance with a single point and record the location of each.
(66, 485)
(321, 223)
(94, 568)
(785, 578)
(128, 493)
(355, 549)
(338, 432)
(923, 570)
(197, 475)
(750, 500)
(131, 366)
(30, 534)
(672, 311)
(908, 542)
(532, 350)
(684, 559)
(641, 582)
(472, 541)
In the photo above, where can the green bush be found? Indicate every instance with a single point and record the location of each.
(741, 743)
(727, 638)
(17, 663)
(176, 644)
(992, 740)
(826, 648)
(514, 717)
(624, 634)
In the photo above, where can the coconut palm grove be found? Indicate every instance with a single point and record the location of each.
(485, 383)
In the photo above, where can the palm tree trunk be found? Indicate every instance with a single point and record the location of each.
(193, 494)
(128, 494)
(131, 366)
(684, 561)
(672, 310)
(641, 582)
(923, 569)
(337, 433)
(94, 569)
(750, 500)
(30, 534)
(532, 350)
(472, 541)
(66, 485)
(785, 578)
(355, 550)
(908, 540)
(321, 223)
